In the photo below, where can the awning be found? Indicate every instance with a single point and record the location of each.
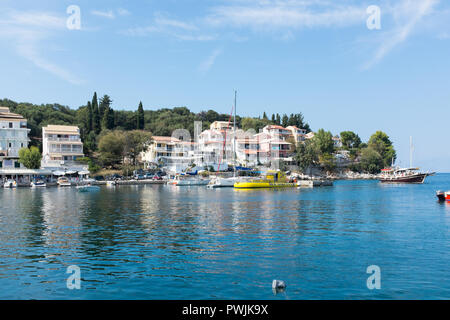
(83, 172)
(59, 173)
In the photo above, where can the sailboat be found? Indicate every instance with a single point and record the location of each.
(219, 182)
(404, 175)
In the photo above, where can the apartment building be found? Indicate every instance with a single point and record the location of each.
(61, 147)
(13, 137)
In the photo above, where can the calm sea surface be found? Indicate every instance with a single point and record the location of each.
(165, 242)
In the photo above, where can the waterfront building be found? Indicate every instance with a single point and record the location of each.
(13, 137)
(298, 134)
(171, 153)
(61, 147)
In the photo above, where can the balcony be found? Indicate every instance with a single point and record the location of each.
(64, 139)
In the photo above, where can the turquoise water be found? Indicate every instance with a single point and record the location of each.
(164, 242)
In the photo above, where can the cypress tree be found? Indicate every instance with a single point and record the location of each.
(95, 114)
(140, 117)
(278, 120)
(108, 118)
(273, 118)
(89, 125)
(265, 116)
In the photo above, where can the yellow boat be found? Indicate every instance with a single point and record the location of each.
(273, 179)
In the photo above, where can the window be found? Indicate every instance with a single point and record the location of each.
(16, 164)
(10, 125)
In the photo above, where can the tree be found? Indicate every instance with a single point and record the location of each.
(105, 103)
(95, 114)
(265, 116)
(381, 143)
(140, 117)
(350, 140)
(273, 119)
(305, 155)
(284, 121)
(278, 119)
(371, 161)
(108, 118)
(30, 157)
(323, 142)
(136, 141)
(111, 147)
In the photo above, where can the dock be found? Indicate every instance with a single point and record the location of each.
(314, 183)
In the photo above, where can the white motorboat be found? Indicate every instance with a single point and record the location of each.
(38, 184)
(186, 181)
(63, 182)
(219, 182)
(10, 184)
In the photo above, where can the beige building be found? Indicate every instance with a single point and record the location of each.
(61, 146)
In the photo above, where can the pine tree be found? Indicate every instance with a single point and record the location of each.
(108, 118)
(284, 121)
(140, 117)
(105, 102)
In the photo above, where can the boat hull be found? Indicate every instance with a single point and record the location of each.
(417, 178)
(261, 185)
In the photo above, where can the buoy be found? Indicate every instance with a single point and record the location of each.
(278, 285)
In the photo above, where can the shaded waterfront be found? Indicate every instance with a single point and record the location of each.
(163, 242)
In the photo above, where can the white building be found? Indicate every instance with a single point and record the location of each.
(13, 137)
(61, 147)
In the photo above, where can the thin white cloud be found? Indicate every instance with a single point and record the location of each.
(26, 31)
(105, 14)
(207, 64)
(407, 15)
(272, 15)
(174, 28)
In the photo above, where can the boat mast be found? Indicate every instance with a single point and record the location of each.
(410, 151)
(234, 136)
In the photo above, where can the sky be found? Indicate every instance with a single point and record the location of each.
(329, 60)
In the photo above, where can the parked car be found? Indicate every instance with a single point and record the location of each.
(99, 178)
(156, 177)
(139, 177)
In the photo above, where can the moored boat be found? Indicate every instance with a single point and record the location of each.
(38, 184)
(63, 182)
(443, 196)
(403, 175)
(272, 179)
(186, 181)
(219, 182)
(10, 184)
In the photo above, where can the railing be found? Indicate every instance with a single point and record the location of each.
(64, 139)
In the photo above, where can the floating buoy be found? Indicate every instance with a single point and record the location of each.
(278, 285)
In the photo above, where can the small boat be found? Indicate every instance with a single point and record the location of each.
(186, 181)
(443, 196)
(10, 184)
(219, 182)
(111, 183)
(272, 179)
(88, 188)
(38, 184)
(403, 175)
(63, 182)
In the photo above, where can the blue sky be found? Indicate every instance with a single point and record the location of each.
(315, 57)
